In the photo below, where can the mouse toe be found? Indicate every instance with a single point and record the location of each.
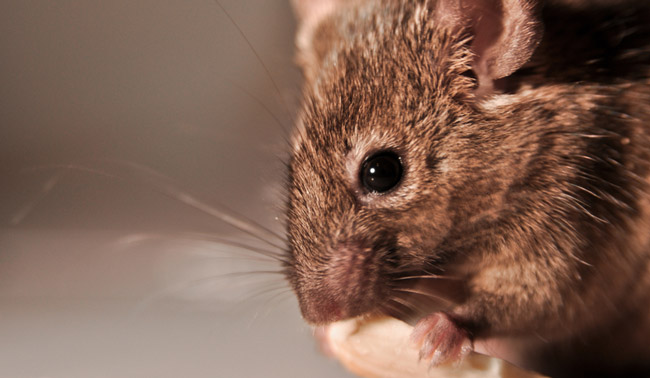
(441, 340)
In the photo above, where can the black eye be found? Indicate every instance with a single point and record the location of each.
(381, 172)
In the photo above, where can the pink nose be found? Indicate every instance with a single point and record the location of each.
(321, 310)
(345, 288)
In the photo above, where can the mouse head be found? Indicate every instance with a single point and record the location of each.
(388, 166)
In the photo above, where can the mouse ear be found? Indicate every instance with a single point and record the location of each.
(506, 33)
(310, 12)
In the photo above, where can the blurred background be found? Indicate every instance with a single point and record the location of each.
(112, 113)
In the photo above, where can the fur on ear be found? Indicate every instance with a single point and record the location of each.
(506, 33)
(310, 14)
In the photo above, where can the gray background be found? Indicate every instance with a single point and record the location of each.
(97, 278)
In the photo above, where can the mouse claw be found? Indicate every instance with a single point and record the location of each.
(440, 340)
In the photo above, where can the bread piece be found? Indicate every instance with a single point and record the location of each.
(380, 348)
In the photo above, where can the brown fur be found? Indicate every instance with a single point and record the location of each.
(537, 195)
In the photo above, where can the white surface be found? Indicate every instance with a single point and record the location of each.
(94, 279)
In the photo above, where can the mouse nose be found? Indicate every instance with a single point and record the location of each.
(319, 309)
(345, 287)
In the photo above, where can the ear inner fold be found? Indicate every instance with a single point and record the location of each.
(505, 33)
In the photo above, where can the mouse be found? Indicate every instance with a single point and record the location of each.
(481, 169)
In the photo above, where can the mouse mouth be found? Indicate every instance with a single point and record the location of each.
(357, 276)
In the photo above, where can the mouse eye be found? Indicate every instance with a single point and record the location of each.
(381, 172)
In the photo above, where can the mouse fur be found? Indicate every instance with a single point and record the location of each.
(523, 131)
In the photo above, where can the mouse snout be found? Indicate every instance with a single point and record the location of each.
(348, 285)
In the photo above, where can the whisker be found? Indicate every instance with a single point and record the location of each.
(75, 167)
(425, 294)
(266, 305)
(278, 256)
(225, 215)
(257, 56)
(429, 276)
(257, 252)
(216, 239)
(392, 308)
(23, 212)
(264, 106)
(266, 290)
(408, 310)
(284, 294)
(222, 276)
(408, 305)
(152, 298)
(243, 257)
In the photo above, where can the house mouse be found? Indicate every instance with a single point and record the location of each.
(480, 168)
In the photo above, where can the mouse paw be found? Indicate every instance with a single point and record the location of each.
(441, 340)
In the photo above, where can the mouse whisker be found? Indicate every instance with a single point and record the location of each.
(428, 276)
(258, 253)
(257, 56)
(280, 287)
(424, 293)
(27, 208)
(222, 276)
(225, 215)
(265, 107)
(179, 288)
(278, 297)
(278, 256)
(394, 309)
(407, 304)
(220, 212)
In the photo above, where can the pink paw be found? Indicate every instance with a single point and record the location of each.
(440, 340)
